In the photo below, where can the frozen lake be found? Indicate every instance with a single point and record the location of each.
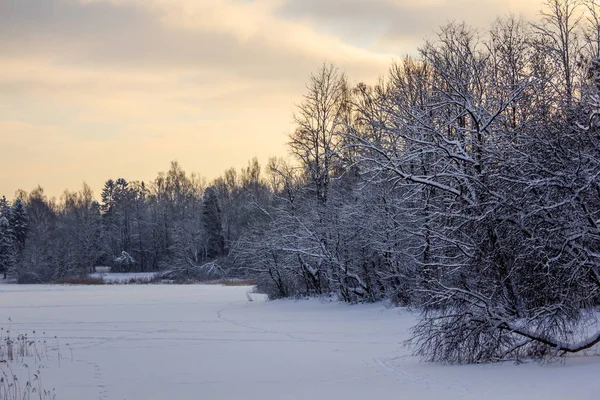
(210, 342)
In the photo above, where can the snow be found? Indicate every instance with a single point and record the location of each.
(210, 341)
(123, 277)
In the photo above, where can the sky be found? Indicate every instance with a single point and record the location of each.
(99, 89)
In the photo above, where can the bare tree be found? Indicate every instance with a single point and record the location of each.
(559, 37)
(319, 118)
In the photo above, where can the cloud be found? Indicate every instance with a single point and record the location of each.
(398, 25)
(245, 38)
(92, 89)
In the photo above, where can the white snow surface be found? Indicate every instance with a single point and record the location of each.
(210, 342)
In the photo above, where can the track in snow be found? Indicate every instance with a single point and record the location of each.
(179, 342)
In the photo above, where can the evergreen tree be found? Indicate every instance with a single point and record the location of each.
(4, 207)
(7, 247)
(19, 223)
(107, 196)
(215, 242)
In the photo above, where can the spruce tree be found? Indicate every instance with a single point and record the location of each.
(107, 196)
(19, 223)
(7, 247)
(215, 242)
(4, 208)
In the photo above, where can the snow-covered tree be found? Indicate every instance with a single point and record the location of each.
(215, 242)
(7, 247)
(319, 119)
(19, 222)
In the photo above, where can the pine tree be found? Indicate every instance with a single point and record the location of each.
(215, 242)
(4, 207)
(19, 223)
(107, 196)
(7, 247)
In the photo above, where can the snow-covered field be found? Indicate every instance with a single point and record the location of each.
(210, 342)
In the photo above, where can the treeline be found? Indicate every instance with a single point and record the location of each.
(466, 183)
(176, 223)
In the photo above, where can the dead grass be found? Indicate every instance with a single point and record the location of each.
(238, 282)
(143, 280)
(80, 280)
(17, 353)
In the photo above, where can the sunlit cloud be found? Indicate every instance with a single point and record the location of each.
(93, 89)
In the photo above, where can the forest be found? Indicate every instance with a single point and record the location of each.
(465, 184)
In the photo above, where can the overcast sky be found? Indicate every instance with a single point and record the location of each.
(94, 89)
